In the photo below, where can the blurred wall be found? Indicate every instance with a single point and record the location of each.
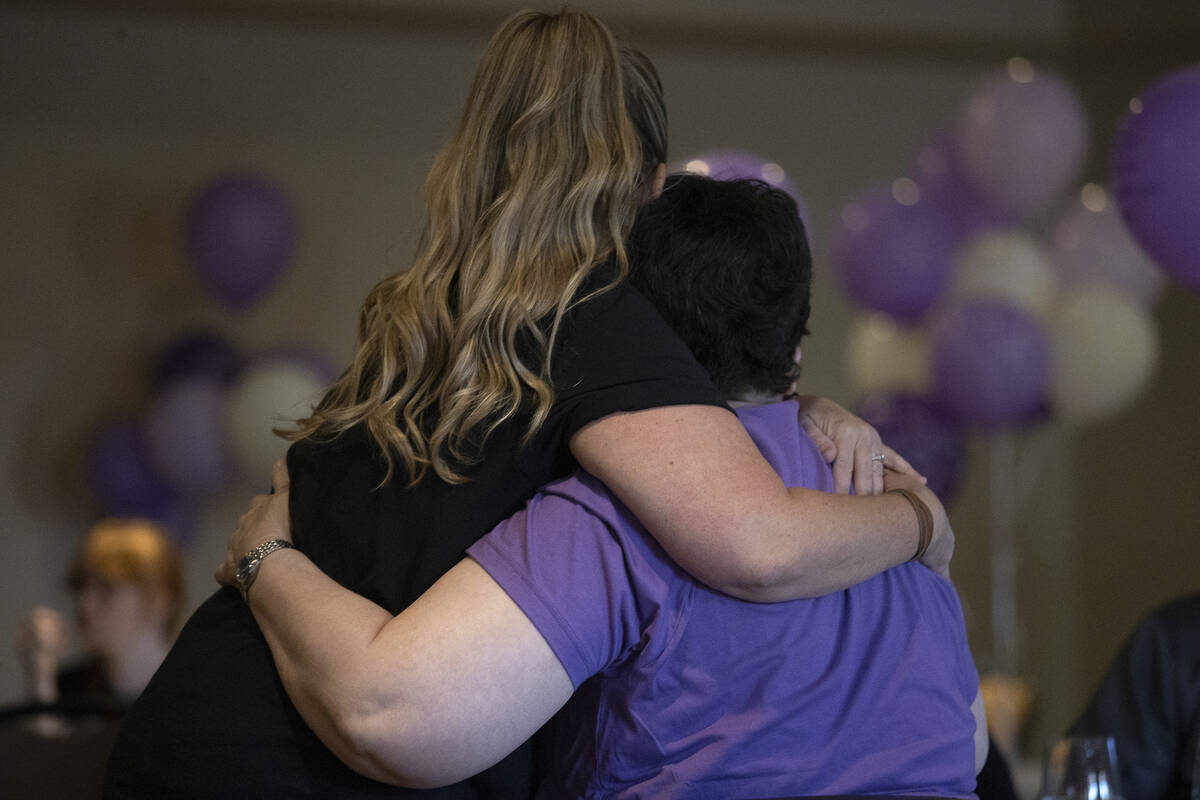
(110, 119)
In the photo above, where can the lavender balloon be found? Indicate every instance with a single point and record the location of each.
(240, 234)
(197, 354)
(123, 474)
(892, 257)
(726, 165)
(1095, 247)
(187, 436)
(1156, 174)
(942, 183)
(920, 430)
(1022, 141)
(991, 364)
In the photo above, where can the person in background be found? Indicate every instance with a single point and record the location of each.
(127, 589)
(678, 690)
(1149, 702)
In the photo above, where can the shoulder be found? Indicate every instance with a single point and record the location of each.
(1170, 630)
(605, 298)
(776, 431)
(615, 353)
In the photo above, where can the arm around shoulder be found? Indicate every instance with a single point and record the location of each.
(426, 698)
(696, 480)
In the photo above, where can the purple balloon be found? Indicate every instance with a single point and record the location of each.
(1156, 174)
(943, 184)
(894, 258)
(728, 165)
(240, 234)
(991, 364)
(122, 471)
(920, 430)
(187, 437)
(197, 354)
(1022, 143)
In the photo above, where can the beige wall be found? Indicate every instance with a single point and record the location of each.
(109, 121)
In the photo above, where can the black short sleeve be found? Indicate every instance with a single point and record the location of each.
(616, 353)
(216, 711)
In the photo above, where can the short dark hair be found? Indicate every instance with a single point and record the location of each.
(727, 264)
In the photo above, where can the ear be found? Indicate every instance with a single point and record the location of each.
(658, 180)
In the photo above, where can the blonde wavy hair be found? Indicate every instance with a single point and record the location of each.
(539, 185)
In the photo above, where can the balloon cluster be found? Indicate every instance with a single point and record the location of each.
(980, 308)
(211, 410)
(208, 422)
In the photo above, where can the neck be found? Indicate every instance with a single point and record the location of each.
(129, 670)
(753, 399)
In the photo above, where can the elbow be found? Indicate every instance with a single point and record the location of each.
(356, 741)
(758, 578)
(751, 569)
(390, 749)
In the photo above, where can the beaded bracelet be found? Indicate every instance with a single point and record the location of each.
(924, 521)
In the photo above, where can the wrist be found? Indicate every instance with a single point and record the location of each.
(249, 564)
(924, 521)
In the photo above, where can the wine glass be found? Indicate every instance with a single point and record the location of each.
(1081, 768)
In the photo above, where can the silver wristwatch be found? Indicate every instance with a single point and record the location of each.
(247, 569)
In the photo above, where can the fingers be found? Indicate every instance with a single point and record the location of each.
(868, 467)
(279, 476)
(876, 473)
(843, 470)
(826, 445)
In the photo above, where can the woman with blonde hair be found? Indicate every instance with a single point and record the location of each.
(512, 351)
(127, 589)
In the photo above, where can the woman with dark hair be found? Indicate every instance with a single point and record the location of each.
(680, 691)
(511, 351)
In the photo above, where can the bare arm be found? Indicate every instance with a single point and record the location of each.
(423, 699)
(695, 479)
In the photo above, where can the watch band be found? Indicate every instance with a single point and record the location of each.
(248, 565)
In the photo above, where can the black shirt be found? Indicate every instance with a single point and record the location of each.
(215, 721)
(1149, 702)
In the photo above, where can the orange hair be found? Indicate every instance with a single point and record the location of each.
(131, 552)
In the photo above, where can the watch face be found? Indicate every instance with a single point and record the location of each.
(245, 568)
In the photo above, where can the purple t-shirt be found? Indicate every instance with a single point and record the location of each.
(685, 692)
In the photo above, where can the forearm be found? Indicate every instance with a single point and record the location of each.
(790, 544)
(427, 698)
(820, 542)
(321, 637)
(698, 483)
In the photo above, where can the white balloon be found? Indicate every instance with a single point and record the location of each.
(1006, 265)
(882, 356)
(271, 393)
(1094, 246)
(1104, 349)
